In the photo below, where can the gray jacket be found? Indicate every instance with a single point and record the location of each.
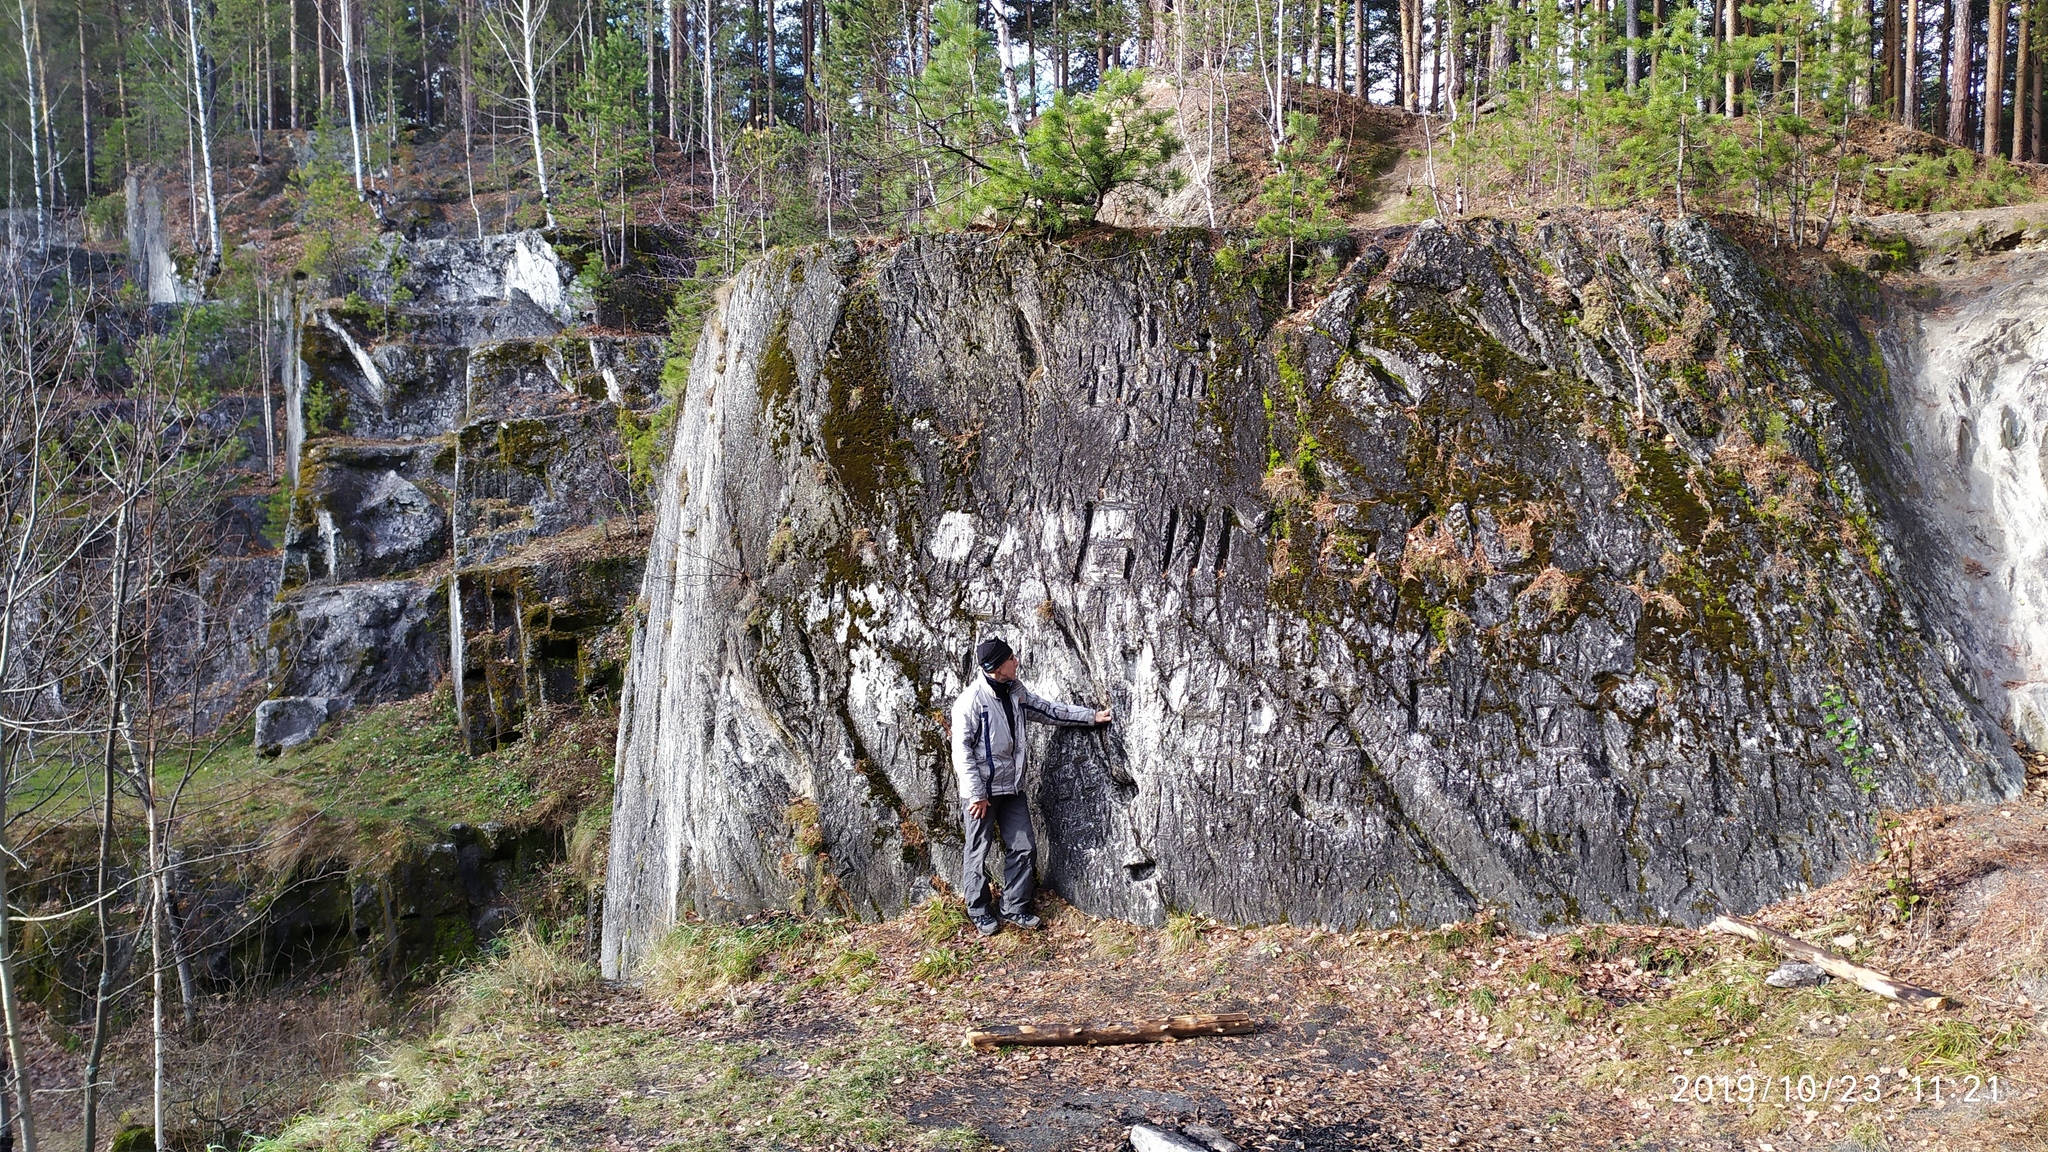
(988, 752)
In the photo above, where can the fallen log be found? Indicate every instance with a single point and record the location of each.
(1869, 979)
(993, 1036)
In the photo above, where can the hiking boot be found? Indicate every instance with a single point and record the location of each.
(987, 925)
(1026, 921)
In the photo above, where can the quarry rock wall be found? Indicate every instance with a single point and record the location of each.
(1563, 570)
(461, 493)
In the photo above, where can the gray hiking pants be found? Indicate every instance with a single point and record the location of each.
(1012, 816)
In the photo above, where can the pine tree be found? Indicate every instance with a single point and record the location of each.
(1082, 150)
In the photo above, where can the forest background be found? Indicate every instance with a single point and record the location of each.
(774, 121)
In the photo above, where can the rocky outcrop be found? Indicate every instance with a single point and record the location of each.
(289, 721)
(450, 419)
(1946, 239)
(413, 911)
(149, 252)
(543, 627)
(369, 508)
(1525, 572)
(360, 643)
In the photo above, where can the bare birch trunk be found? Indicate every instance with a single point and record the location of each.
(27, 402)
(710, 102)
(10, 1002)
(516, 26)
(102, 890)
(1010, 103)
(157, 927)
(348, 80)
(35, 134)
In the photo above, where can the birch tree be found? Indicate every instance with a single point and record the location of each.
(41, 540)
(347, 19)
(203, 127)
(529, 46)
(29, 60)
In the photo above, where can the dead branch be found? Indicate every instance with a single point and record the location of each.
(1869, 979)
(993, 1036)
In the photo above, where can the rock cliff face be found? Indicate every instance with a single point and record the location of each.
(451, 423)
(1972, 368)
(1521, 573)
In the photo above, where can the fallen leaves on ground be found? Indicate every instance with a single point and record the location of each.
(823, 1036)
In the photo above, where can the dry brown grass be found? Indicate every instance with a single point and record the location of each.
(1574, 1036)
(528, 973)
(1781, 485)
(1283, 485)
(1623, 465)
(1671, 606)
(1520, 534)
(1282, 558)
(1681, 344)
(257, 1059)
(1432, 551)
(1552, 588)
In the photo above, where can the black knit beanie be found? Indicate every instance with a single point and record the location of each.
(991, 653)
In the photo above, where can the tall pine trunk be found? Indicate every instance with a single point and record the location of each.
(1909, 85)
(1633, 65)
(1411, 53)
(2022, 85)
(1889, 71)
(1362, 79)
(1994, 77)
(1959, 72)
(1729, 26)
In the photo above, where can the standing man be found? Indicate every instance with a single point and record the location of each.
(988, 762)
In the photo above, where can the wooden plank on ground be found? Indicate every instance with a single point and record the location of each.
(1869, 979)
(992, 1036)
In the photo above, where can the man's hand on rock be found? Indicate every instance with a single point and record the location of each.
(978, 809)
(1103, 717)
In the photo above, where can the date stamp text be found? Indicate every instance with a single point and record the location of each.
(1844, 1090)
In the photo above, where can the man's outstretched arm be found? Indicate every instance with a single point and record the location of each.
(1036, 707)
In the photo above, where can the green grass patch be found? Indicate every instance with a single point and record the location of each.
(1958, 1047)
(378, 778)
(941, 918)
(697, 960)
(940, 964)
(1183, 931)
(539, 1086)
